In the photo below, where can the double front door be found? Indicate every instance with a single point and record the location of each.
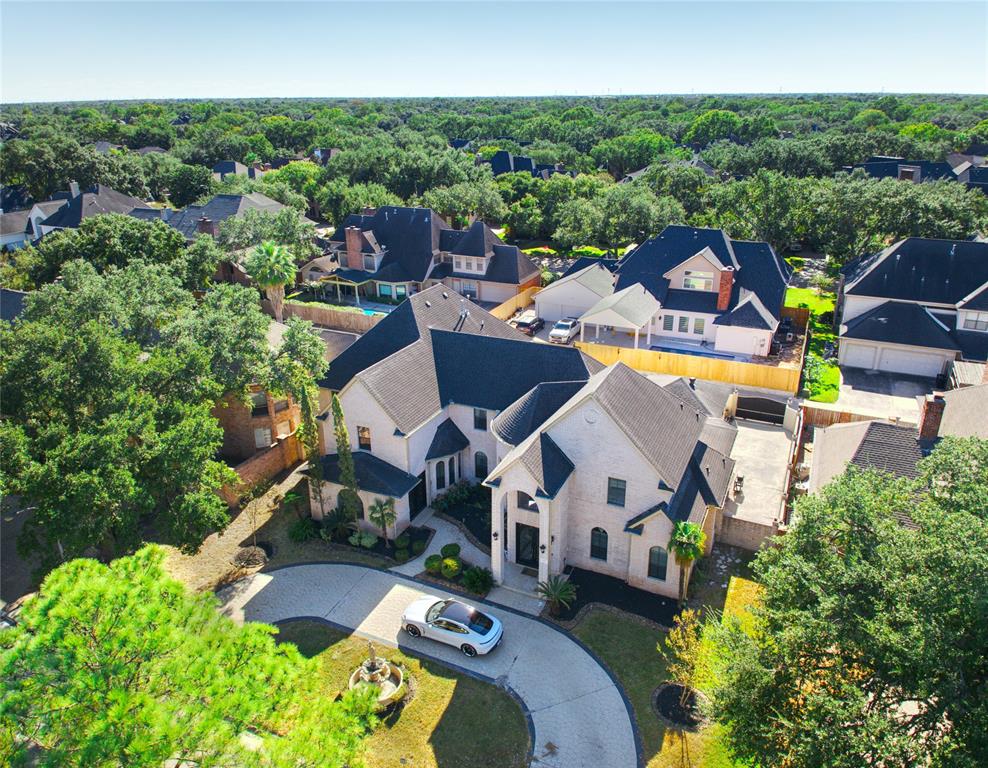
(526, 545)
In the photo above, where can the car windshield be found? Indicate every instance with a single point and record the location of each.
(563, 325)
(468, 617)
(436, 610)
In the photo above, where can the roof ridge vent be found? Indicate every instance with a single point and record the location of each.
(445, 295)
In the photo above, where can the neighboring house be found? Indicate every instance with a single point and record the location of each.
(150, 150)
(394, 252)
(11, 304)
(917, 171)
(505, 162)
(695, 162)
(445, 392)
(252, 427)
(687, 289)
(323, 155)
(96, 200)
(228, 168)
(206, 219)
(915, 307)
(897, 448)
(18, 228)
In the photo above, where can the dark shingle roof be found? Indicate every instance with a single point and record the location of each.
(373, 474)
(492, 373)
(588, 261)
(921, 269)
(11, 304)
(229, 166)
(219, 209)
(888, 168)
(447, 440)
(529, 412)
(436, 307)
(548, 465)
(889, 448)
(14, 222)
(899, 322)
(97, 200)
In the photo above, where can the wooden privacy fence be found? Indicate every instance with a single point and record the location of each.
(694, 366)
(325, 315)
(506, 309)
(800, 316)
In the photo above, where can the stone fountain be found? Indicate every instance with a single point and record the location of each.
(379, 672)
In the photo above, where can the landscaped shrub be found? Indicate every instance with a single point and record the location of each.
(403, 541)
(434, 563)
(456, 494)
(401, 555)
(364, 539)
(418, 547)
(478, 580)
(451, 567)
(450, 550)
(303, 530)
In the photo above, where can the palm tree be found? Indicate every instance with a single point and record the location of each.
(557, 592)
(686, 543)
(272, 267)
(382, 513)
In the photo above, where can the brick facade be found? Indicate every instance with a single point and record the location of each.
(242, 423)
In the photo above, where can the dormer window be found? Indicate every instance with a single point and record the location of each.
(698, 281)
(370, 262)
(976, 321)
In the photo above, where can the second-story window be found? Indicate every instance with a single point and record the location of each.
(363, 438)
(698, 281)
(616, 491)
(459, 264)
(369, 262)
(480, 419)
(976, 321)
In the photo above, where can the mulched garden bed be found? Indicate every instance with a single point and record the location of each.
(387, 549)
(453, 586)
(597, 588)
(668, 703)
(474, 513)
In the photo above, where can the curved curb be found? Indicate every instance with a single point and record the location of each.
(639, 750)
(529, 723)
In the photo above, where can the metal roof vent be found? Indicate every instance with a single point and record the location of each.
(428, 303)
(445, 295)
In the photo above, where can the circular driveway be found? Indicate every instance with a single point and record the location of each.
(578, 715)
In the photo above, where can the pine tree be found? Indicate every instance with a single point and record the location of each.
(349, 499)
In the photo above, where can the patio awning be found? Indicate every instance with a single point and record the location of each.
(631, 309)
(348, 277)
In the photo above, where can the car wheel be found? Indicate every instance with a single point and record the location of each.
(412, 630)
(468, 650)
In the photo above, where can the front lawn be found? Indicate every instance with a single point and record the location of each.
(630, 650)
(822, 378)
(450, 720)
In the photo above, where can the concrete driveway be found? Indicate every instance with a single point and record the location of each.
(881, 395)
(578, 714)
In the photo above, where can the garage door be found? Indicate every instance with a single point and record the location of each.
(909, 361)
(858, 355)
(552, 311)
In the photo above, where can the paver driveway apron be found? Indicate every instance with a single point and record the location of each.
(578, 713)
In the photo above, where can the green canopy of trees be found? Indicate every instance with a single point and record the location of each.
(870, 644)
(118, 665)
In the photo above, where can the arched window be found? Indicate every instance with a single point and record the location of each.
(440, 475)
(452, 470)
(598, 544)
(480, 465)
(658, 559)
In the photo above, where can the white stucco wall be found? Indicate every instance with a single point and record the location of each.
(331, 492)
(858, 305)
(361, 409)
(744, 341)
(698, 263)
(709, 329)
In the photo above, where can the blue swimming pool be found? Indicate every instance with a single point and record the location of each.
(694, 352)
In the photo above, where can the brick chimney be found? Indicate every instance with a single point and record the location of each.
(930, 416)
(73, 189)
(354, 257)
(205, 226)
(724, 289)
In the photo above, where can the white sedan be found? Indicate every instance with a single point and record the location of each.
(454, 623)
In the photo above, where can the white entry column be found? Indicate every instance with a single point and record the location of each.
(497, 534)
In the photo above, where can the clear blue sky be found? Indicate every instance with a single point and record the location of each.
(128, 50)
